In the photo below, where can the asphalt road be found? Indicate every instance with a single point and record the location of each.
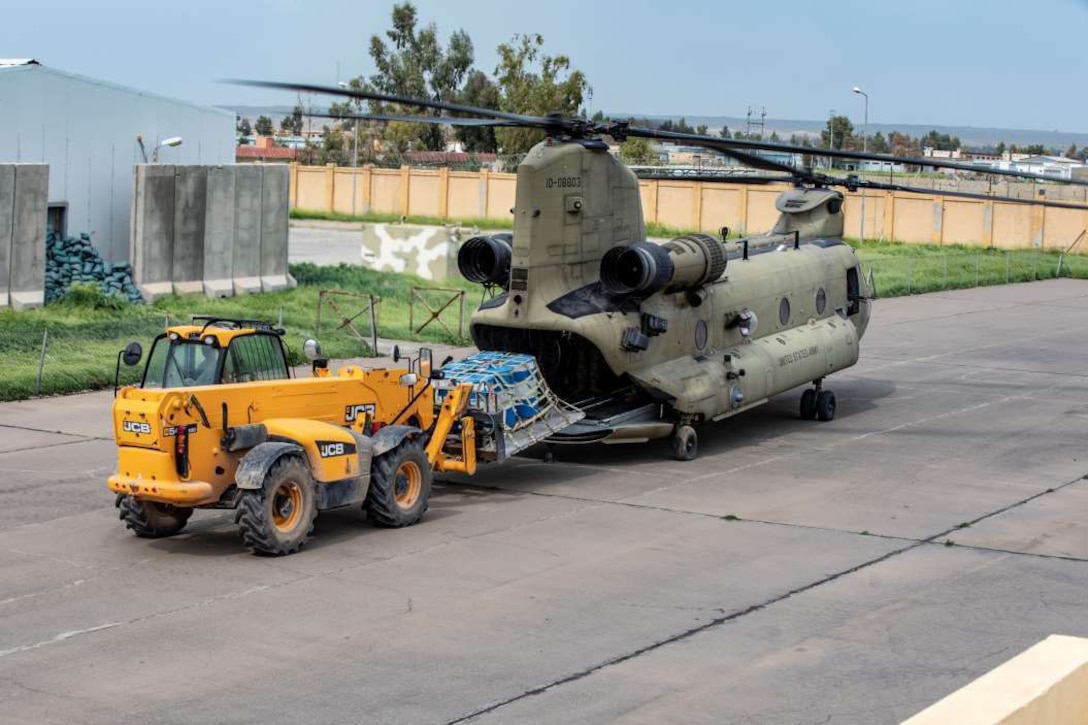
(323, 242)
(796, 572)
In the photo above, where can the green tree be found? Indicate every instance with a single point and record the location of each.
(638, 151)
(1036, 149)
(480, 91)
(243, 126)
(264, 126)
(534, 83)
(725, 132)
(838, 132)
(701, 129)
(333, 149)
(1071, 152)
(878, 144)
(940, 141)
(343, 113)
(1000, 148)
(292, 123)
(903, 144)
(774, 136)
(414, 63)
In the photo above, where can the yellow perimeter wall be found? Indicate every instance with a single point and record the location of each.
(685, 204)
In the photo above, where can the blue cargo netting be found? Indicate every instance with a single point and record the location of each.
(510, 390)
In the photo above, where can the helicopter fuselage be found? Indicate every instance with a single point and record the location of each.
(692, 330)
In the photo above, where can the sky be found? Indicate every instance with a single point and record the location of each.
(989, 63)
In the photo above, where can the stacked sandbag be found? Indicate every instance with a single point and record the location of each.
(74, 259)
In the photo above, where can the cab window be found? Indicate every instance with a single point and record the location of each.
(181, 363)
(254, 357)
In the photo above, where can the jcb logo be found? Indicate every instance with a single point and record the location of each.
(331, 449)
(135, 426)
(353, 413)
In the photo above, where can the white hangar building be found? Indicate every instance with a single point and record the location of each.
(87, 131)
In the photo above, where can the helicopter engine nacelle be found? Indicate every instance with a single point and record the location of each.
(644, 268)
(486, 260)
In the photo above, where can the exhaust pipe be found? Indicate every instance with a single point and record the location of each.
(486, 260)
(644, 268)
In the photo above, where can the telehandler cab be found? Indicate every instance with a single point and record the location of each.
(218, 422)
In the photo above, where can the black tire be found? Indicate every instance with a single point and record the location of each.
(150, 519)
(685, 443)
(278, 518)
(808, 405)
(400, 486)
(825, 405)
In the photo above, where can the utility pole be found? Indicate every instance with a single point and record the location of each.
(830, 134)
(762, 121)
(864, 148)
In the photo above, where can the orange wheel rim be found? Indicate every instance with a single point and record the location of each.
(287, 506)
(407, 484)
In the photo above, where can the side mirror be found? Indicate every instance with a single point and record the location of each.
(132, 353)
(396, 353)
(311, 349)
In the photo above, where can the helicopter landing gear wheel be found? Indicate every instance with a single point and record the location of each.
(808, 405)
(685, 443)
(825, 405)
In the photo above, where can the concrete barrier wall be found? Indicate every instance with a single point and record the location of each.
(708, 206)
(24, 195)
(274, 228)
(219, 232)
(1045, 684)
(217, 229)
(190, 199)
(7, 220)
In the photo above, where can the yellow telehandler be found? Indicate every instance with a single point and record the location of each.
(219, 422)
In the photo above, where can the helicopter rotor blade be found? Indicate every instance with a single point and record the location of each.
(719, 145)
(435, 120)
(738, 149)
(853, 184)
(538, 121)
(701, 175)
(866, 156)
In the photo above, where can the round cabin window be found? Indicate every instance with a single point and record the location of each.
(821, 301)
(700, 334)
(784, 311)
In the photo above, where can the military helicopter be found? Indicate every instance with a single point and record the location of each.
(650, 340)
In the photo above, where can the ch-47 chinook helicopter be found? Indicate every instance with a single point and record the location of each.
(648, 339)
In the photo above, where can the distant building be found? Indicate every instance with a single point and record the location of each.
(264, 149)
(1057, 166)
(885, 166)
(932, 153)
(91, 133)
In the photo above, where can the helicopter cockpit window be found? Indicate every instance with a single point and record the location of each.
(784, 311)
(182, 363)
(821, 301)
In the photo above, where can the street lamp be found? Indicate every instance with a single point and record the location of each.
(864, 148)
(865, 132)
(355, 147)
(172, 142)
